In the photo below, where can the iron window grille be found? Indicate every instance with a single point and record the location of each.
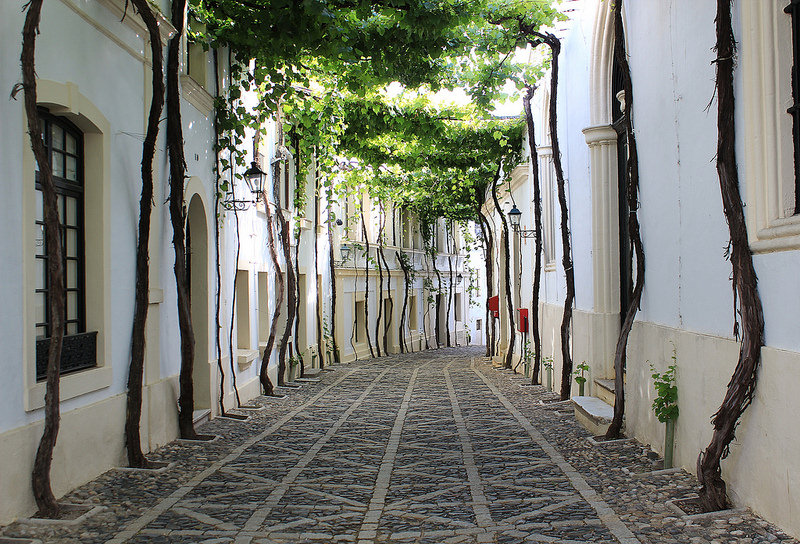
(64, 145)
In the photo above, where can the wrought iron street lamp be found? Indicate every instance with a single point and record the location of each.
(254, 177)
(514, 217)
(344, 252)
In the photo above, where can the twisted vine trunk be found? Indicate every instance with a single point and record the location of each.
(317, 306)
(387, 320)
(449, 294)
(427, 311)
(133, 412)
(217, 264)
(177, 214)
(537, 230)
(231, 362)
(406, 282)
(233, 310)
(566, 369)
(299, 231)
(285, 235)
(507, 252)
(297, 297)
(379, 302)
(632, 184)
(40, 477)
(266, 383)
(488, 249)
(366, 285)
(742, 386)
(438, 329)
(332, 269)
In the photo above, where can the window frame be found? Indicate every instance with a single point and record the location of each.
(768, 151)
(66, 100)
(71, 189)
(80, 348)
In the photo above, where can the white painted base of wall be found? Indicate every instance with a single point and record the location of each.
(762, 470)
(90, 441)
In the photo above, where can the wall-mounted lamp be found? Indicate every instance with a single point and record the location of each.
(514, 217)
(344, 252)
(254, 177)
(459, 279)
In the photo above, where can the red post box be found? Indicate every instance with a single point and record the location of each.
(522, 325)
(494, 305)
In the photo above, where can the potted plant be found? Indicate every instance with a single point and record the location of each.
(665, 405)
(294, 362)
(580, 376)
(527, 356)
(547, 363)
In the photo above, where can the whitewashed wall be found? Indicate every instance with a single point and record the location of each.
(687, 302)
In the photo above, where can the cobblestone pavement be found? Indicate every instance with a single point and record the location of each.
(434, 447)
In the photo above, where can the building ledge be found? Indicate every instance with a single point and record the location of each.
(245, 357)
(197, 95)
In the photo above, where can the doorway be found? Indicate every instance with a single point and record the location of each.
(197, 271)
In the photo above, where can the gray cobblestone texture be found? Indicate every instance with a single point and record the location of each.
(433, 447)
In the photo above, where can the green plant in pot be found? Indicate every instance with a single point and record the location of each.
(547, 363)
(580, 377)
(294, 362)
(665, 405)
(527, 357)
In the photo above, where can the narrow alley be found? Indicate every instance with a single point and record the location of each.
(434, 447)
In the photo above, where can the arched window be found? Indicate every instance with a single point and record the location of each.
(64, 143)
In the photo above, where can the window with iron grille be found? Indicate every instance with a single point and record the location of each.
(793, 9)
(64, 143)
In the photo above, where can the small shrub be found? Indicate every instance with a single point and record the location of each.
(665, 404)
(580, 373)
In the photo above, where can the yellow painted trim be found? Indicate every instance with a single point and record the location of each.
(65, 99)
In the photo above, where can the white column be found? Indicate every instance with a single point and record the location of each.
(602, 142)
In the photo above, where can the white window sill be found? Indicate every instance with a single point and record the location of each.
(245, 357)
(197, 95)
(71, 386)
(781, 234)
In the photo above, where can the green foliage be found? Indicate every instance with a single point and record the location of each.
(580, 373)
(527, 351)
(406, 264)
(547, 362)
(431, 289)
(665, 405)
(327, 337)
(325, 68)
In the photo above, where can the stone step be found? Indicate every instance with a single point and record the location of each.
(594, 414)
(604, 390)
(201, 416)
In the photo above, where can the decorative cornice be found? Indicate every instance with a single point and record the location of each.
(197, 95)
(117, 7)
(601, 134)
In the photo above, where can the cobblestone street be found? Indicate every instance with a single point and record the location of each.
(434, 447)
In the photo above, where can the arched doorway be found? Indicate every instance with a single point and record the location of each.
(197, 272)
(625, 248)
(607, 150)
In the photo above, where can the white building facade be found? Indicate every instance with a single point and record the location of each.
(94, 90)
(687, 304)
